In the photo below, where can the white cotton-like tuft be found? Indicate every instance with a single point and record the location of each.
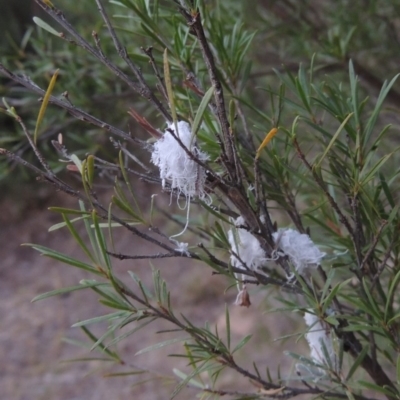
(300, 249)
(176, 166)
(246, 246)
(319, 338)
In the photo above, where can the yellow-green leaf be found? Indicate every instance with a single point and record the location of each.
(168, 84)
(44, 104)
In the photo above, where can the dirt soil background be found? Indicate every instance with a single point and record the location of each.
(32, 348)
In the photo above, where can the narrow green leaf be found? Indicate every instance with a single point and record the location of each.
(86, 359)
(354, 96)
(333, 140)
(201, 110)
(119, 374)
(128, 184)
(78, 238)
(145, 291)
(373, 304)
(39, 22)
(374, 116)
(357, 362)
(77, 162)
(228, 327)
(90, 169)
(328, 300)
(377, 388)
(197, 371)
(90, 233)
(107, 317)
(92, 337)
(116, 305)
(242, 343)
(63, 224)
(101, 243)
(45, 251)
(398, 369)
(63, 210)
(130, 332)
(192, 382)
(125, 206)
(161, 345)
(66, 290)
(367, 176)
(168, 85)
(393, 285)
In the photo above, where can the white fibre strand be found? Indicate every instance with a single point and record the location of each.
(319, 337)
(300, 249)
(246, 248)
(176, 166)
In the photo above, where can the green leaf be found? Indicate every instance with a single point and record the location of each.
(377, 388)
(145, 291)
(357, 362)
(39, 22)
(107, 317)
(78, 238)
(393, 285)
(90, 170)
(242, 343)
(63, 210)
(119, 374)
(66, 290)
(161, 345)
(100, 345)
(328, 300)
(333, 140)
(197, 371)
(374, 116)
(202, 108)
(45, 102)
(168, 85)
(102, 243)
(354, 96)
(63, 224)
(228, 327)
(45, 251)
(130, 332)
(398, 369)
(191, 382)
(373, 304)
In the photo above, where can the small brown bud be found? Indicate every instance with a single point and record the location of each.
(243, 298)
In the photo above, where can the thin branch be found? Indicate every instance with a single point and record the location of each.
(74, 111)
(149, 53)
(144, 89)
(321, 184)
(45, 176)
(35, 149)
(121, 256)
(383, 263)
(373, 245)
(194, 22)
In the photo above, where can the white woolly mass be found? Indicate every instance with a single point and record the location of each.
(176, 166)
(300, 249)
(318, 338)
(246, 246)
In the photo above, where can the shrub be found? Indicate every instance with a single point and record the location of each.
(290, 186)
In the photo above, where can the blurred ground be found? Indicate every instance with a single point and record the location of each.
(31, 345)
